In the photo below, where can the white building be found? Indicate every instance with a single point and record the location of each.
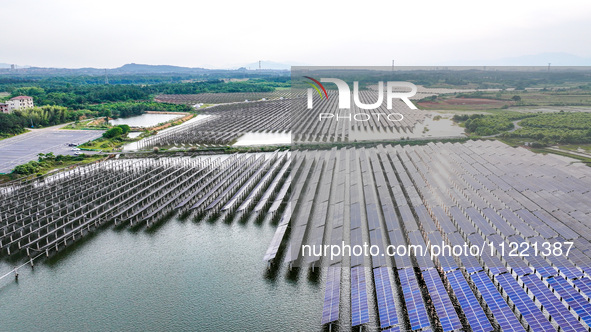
(19, 102)
(4, 108)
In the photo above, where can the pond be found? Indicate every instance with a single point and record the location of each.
(145, 120)
(186, 276)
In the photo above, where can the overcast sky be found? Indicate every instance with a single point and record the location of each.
(225, 34)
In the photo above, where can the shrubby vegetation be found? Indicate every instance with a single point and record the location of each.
(486, 125)
(125, 109)
(50, 115)
(15, 123)
(541, 128)
(11, 124)
(117, 131)
(47, 161)
(555, 128)
(81, 96)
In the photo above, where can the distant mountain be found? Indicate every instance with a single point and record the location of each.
(128, 69)
(134, 68)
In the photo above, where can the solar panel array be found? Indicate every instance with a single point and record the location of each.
(475, 194)
(332, 292)
(479, 193)
(475, 315)
(386, 306)
(570, 296)
(415, 308)
(556, 310)
(445, 310)
(359, 309)
(499, 309)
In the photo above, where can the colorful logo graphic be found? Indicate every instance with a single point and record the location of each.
(316, 88)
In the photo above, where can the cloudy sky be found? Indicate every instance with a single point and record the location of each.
(225, 34)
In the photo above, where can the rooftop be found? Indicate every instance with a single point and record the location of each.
(21, 98)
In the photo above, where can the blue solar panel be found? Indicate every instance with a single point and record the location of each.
(464, 224)
(469, 262)
(499, 308)
(386, 306)
(330, 310)
(535, 260)
(417, 314)
(572, 297)
(474, 313)
(392, 329)
(359, 310)
(584, 285)
(479, 221)
(356, 239)
(523, 303)
(493, 263)
(515, 263)
(441, 301)
(552, 304)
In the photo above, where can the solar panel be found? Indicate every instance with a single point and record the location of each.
(552, 304)
(469, 262)
(572, 297)
(515, 264)
(498, 222)
(499, 308)
(446, 260)
(445, 223)
(536, 261)
(425, 219)
(330, 310)
(359, 309)
(417, 314)
(536, 224)
(375, 237)
(356, 239)
(397, 239)
(472, 310)
(441, 301)
(523, 303)
(464, 225)
(385, 298)
(584, 284)
(479, 221)
(559, 262)
(493, 263)
(407, 218)
(421, 253)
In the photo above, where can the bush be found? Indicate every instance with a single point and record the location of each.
(113, 132)
(125, 128)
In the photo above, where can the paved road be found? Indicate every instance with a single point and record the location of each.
(25, 147)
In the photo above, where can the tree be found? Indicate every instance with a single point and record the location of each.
(113, 132)
(516, 98)
(108, 114)
(125, 128)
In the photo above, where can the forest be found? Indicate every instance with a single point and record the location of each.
(81, 96)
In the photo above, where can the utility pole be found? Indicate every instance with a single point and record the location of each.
(392, 65)
(106, 77)
(549, 66)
